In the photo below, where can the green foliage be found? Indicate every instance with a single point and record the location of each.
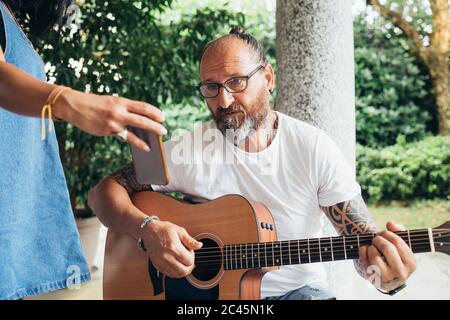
(419, 170)
(149, 50)
(124, 48)
(391, 90)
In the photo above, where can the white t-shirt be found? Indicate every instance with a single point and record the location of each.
(301, 169)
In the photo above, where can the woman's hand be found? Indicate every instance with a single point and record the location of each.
(108, 115)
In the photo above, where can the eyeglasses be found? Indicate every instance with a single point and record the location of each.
(233, 85)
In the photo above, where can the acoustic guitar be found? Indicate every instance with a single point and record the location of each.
(239, 246)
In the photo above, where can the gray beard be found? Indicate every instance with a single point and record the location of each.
(236, 136)
(245, 129)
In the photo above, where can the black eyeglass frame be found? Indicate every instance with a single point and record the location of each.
(220, 85)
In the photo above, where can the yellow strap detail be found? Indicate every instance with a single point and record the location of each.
(43, 131)
(56, 92)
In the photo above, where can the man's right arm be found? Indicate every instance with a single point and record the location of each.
(111, 201)
(169, 246)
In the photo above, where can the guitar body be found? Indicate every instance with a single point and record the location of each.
(231, 219)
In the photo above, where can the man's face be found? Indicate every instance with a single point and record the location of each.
(243, 111)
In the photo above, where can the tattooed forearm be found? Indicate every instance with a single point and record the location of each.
(126, 177)
(351, 217)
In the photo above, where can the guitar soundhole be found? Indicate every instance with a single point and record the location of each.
(208, 260)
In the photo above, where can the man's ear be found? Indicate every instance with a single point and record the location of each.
(270, 78)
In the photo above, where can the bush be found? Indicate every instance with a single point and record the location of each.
(404, 171)
(391, 89)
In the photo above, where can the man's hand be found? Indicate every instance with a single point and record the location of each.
(391, 255)
(170, 248)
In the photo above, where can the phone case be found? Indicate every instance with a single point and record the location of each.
(150, 167)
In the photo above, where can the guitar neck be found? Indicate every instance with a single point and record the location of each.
(289, 252)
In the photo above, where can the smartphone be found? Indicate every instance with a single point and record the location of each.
(150, 167)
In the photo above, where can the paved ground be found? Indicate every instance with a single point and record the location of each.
(430, 281)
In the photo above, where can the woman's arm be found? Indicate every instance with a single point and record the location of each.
(2, 57)
(95, 114)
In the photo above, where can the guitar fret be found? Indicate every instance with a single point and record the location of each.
(303, 256)
(298, 250)
(281, 253)
(338, 248)
(294, 257)
(345, 248)
(253, 262)
(320, 251)
(228, 252)
(226, 257)
(240, 255)
(273, 255)
(419, 242)
(353, 253)
(258, 255)
(309, 252)
(409, 239)
(232, 257)
(326, 252)
(265, 251)
(289, 249)
(431, 239)
(236, 256)
(280, 245)
(315, 250)
(246, 257)
(230, 247)
(332, 250)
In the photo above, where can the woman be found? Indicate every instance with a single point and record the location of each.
(40, 249)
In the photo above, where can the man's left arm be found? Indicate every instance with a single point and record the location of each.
(388, 252)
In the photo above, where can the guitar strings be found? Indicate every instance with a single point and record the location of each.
(352, 238)
(296, 247)
(233, 256)
(234, 265)
(284, 255)
(296, 243)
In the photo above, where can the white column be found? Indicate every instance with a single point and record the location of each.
(315, 83)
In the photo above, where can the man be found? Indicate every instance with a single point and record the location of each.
(290, 166)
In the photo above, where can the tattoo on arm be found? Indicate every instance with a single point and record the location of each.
(349, 218)
(126, 177)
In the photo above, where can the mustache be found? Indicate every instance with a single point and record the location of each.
(232, 108)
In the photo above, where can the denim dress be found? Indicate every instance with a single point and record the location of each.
(40, 249)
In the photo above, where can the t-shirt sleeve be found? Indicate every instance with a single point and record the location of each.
(335, 180)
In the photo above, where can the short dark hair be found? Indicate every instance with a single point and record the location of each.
(39, 16)
(248, 39)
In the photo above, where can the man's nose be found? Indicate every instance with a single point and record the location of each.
(225, 98)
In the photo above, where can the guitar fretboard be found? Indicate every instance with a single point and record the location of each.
(288, 252)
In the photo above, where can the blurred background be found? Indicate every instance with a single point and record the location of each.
(149, 50)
